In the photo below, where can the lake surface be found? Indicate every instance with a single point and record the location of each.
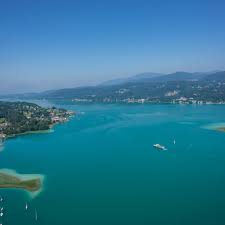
(101, 168)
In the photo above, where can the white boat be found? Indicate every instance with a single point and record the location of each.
(26, 206)
(174, 141)
(1, 214)
(160, 147)
(1, 199)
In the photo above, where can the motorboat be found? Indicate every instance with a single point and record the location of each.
(160, 147)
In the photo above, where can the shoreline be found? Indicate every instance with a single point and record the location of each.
(50, 130)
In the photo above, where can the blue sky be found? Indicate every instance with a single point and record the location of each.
(53, 44)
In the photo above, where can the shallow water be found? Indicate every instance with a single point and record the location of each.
(101, 167)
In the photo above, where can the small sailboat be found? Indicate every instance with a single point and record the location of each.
(36, 216)
(1, 214)
(26, 206)
(1, 199)
(174, 141)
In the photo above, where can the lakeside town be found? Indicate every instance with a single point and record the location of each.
(181, 100)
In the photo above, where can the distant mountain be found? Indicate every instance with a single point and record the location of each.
(218, 77)
(180, 76)
(21, 96)
(136, 78)
(158, 77)
(32, 95)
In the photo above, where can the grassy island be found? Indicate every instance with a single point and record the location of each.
(222, 129)
(11, 179)
(22, 117)
(216, 127)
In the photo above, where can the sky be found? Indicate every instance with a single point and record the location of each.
(68, 43)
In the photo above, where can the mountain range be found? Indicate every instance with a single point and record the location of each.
(201, 86)
(159, 77)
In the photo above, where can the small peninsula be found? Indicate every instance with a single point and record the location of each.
(11, 179)
(22, 117)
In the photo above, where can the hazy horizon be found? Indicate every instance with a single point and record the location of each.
(57, 44)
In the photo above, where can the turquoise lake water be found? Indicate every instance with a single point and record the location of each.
(101, 169)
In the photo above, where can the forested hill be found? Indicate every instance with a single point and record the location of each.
(21, 117)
